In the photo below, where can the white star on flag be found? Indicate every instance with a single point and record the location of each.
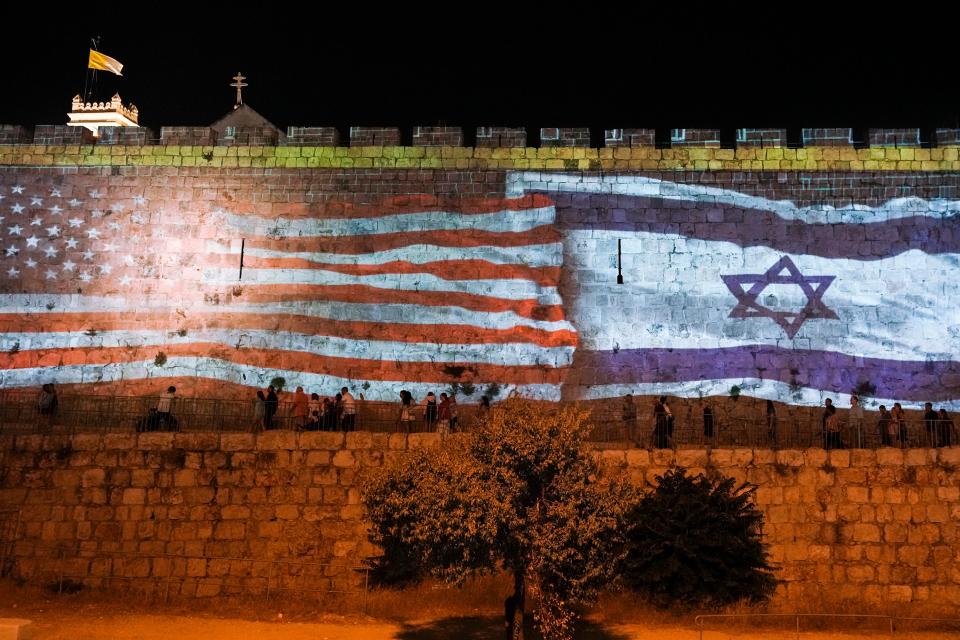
(18, 208)
(36, 201)
(36, 222)
(106, 268)
(114, 226)
(96, 194)
(17, 189)
(51, 274)
(53, 231)
(12, 250)
(109, 247)
(55, 193)
(69, 265)
(75, 222)
(15, 230)
(51, 251)
(71, 243)
(75, 203)
(93, 233)
(118, 208)
(125, 280)
(137, 218)
(96, 213)
(13, 272)
(32, 241)
(88, 255)
(55, 210)
(31, 263)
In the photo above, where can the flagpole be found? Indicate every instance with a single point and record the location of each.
(93, 83)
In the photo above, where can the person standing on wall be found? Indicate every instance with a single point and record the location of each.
(855, 421)
(301, 407)
(772, 424)
(888, 431)
(164, 409)
(270, 408)
(630, 419)
(349, 410)
(931, 421)
(945, 425)
(430, 411)
(899, 424)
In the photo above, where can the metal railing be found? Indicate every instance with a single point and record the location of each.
(891, 621)
(19, 413)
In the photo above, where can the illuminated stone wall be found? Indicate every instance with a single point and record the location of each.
(792, 274)
(869, 527)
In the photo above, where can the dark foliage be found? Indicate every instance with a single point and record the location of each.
(696, 541)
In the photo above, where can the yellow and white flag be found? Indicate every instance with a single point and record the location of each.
(104, 63)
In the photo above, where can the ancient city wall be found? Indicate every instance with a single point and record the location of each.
(156, 511)
(792, 274)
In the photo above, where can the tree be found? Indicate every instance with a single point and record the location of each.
(520, 493)
(696, 541)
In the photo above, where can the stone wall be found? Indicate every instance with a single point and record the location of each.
(869, 527)
(441, 268)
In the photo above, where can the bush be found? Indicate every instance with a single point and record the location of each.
(697, 541)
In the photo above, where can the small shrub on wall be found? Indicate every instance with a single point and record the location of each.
(697, 541)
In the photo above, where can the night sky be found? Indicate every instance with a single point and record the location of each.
(495, 66)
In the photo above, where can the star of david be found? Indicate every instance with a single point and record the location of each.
(783, 272)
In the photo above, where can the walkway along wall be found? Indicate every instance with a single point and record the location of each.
(870, 527)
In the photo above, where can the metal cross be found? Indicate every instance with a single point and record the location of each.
(239, 84)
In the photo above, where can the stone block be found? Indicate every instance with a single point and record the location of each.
(638, 458)
(889, 456)
(313, 136)
(374, 136)
(741, 458)
(949, 455)
(663, 457)
(15, 134)
(840, 458)
(863, 458)
(564, 137)
(501, 137)
(423, 440)
(437, 137)
(629, 137)
(279, 439)
(827, 137)
(359, 440)
(816, 457)
(690, 458)
(237, 441)
(761, 138)
(15, 629)
(695, 137)
(920, 457)
(155, 441)
(321, 440)
(134, 496)
(93, 477)
(62, 134)
(791, 457)
(229, 530)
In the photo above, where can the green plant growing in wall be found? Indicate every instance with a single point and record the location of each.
(160, 359)
(734, 392)
(278, 383)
